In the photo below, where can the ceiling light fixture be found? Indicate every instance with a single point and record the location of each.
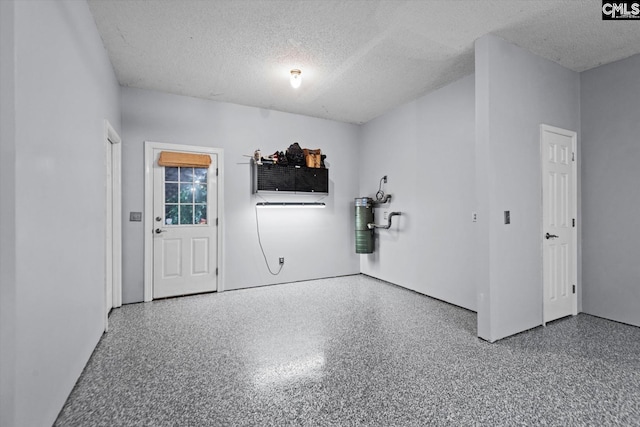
(296, 78)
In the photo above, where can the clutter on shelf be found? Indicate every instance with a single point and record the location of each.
(293, 156)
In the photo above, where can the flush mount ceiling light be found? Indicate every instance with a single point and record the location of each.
(296, 78)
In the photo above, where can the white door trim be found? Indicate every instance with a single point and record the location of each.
(149, 146)
(113, 221)
(574, 234)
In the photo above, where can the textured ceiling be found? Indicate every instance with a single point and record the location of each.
(359, 58)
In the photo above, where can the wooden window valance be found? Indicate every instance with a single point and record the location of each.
(185, 160)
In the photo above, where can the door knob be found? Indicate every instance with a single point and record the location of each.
(158, 231)
(550, 236)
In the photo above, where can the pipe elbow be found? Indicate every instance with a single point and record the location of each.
(388, 226)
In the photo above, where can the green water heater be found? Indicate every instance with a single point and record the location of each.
(364, 234)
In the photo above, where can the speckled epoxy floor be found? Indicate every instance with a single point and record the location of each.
(349, 351)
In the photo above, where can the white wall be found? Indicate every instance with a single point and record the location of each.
(7, 215)
(315, 243)
(610, 107)
(426, 149)
(64, 89)
(516, 91)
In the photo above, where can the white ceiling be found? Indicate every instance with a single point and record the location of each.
(359, 58)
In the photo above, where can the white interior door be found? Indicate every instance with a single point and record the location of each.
(559, 214)
(184, 229)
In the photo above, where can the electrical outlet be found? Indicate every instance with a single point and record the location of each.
(474, 216)
(385, 179)
(385, 215)
(281, 260)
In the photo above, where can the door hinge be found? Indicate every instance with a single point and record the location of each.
(216, 222)
(216, 171)
(573, 222)
(574, 289)
(573, 156)
(217, 272)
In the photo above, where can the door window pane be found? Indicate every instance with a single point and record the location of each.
(171, 174)
(200, 214)
(186, 193)
(171, 192)
(171, 215)
(186, 214)
(200, 175)
(186, 174)
(200, 194)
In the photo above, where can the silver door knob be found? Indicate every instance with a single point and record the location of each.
(158, 231)
(550, 236)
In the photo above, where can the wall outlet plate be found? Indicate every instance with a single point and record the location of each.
(281, 260)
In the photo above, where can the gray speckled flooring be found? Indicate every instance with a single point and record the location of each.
(349, 351)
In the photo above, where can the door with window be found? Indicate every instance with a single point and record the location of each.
(184, 223)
